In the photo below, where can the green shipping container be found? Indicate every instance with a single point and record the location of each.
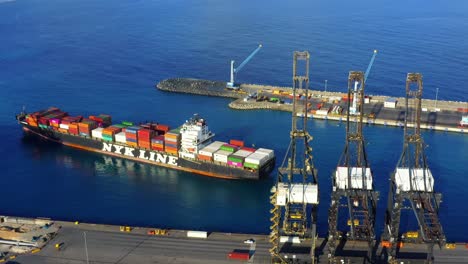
(175, 131)
(235, 159)
(227, 148)
(126, 123)
(250, 165)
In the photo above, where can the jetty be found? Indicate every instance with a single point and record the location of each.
(379, 109)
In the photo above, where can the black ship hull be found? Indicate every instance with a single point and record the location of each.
(163, 159)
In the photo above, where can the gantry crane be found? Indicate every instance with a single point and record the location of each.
(231, 84)
(353, 182)
(412, 183)
(295, 196)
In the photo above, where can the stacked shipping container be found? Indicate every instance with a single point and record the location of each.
(207, 152)
(157, 143)
(131, 136)
(108, 134)
(172, 141)
(144, 137)
(149, 136)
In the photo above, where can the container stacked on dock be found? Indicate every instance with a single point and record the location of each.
(131, 136)
(172, 141)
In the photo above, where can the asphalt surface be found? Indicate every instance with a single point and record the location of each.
(106, 244)
(112, 246)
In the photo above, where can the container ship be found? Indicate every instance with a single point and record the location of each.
(190, 147)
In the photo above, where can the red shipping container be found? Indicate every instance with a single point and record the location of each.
(239, 255)
(248, 149)
(97, 119)
(145, 134)
(163, 128)
(238, 143)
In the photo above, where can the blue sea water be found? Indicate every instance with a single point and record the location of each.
(91, 57)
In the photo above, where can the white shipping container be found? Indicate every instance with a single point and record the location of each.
(269, 152)
(97, 133)
(356, 174)
(321, 112)
(257, 158)
(197, 234)
(120, 137)
(290, 239)
(221, 156)
(216, 144)
(64, 126)
(297, 193)
(206, 152)
(414, 179)
(242, 153)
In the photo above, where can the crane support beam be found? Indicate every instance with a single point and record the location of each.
(412, 183)
(352, 182)
(295, 197)
(236, 70)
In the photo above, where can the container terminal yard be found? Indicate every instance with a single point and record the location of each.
(294, 212)
(74, 243)
(382, 110)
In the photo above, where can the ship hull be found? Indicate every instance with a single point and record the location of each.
(162, 159)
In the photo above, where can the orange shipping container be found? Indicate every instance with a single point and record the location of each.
(203, 157)
(132, 144)
(238, 143)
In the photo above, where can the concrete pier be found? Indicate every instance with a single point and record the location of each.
(97, 243)
(440, 115)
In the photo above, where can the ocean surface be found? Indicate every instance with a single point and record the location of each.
(90, 57)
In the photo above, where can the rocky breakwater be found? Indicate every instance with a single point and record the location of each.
(240, 104)
(198, 86)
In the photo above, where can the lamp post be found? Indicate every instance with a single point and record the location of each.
(326, 81)
(437, 95)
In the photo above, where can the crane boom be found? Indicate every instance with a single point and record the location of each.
(236, 70)
(248, 59)
(370, 65)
